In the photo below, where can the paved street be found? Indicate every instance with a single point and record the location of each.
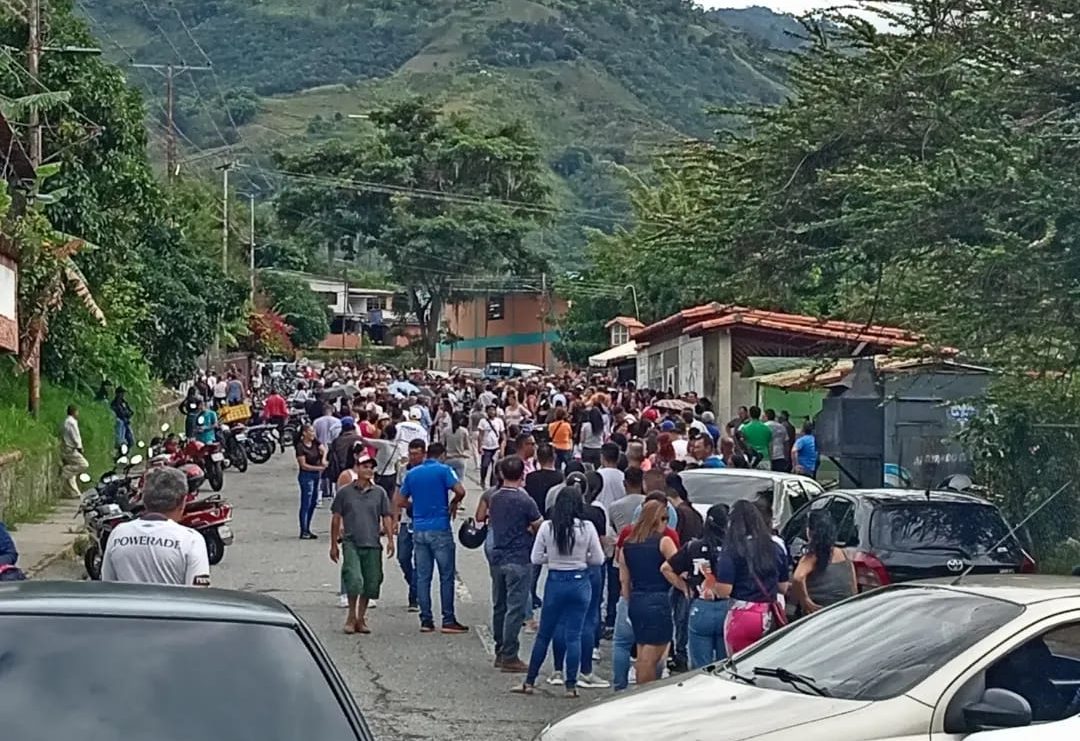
(409, 685)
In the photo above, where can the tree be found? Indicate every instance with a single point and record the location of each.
(298, 305)
(439, 197)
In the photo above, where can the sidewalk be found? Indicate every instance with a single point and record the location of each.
(42, 543)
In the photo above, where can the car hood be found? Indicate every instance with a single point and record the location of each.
(701, 706)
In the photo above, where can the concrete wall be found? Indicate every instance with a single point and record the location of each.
(522, 333)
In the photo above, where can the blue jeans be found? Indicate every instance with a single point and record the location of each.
(431, 548)
(537, 570)
(562, 457)
(621, 645)
(309, 497)
(706, 632)
(510, 600)
(566, 598)
(458, 464)
(123, 433)
(680, 610)
(590, 629)
(405, 558)
(487, 460)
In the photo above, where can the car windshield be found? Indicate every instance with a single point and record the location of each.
(881, 644)
(970, 529)
(709, 489)
(103, 679)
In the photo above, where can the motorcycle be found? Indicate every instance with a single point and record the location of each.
(233, 441)
(103, 508)
(261, 442)
(209, 457)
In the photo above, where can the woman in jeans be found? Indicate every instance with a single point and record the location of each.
(311, 460)
(561, 433)
(689, 571)
(457, 444)
(825, 574)
(645, 588)
(568, 545)
(752, 572)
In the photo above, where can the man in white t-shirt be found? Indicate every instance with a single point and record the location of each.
(156, 548)
(490, 439)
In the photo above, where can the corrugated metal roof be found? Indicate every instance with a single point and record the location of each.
(828, 373)
(764, 365)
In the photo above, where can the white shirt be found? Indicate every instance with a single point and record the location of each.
(778, 448)
(72, 436)
(490, 430)
(682, 448)
(408, 431)
(698, 425)
(221, 388)
(156, 551)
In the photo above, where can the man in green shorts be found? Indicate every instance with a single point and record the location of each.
(361, 514)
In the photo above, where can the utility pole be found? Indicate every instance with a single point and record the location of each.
(545, 310)
(225, 170)
(169, 71)
(251, 254)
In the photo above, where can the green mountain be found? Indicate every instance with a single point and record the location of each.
(602, 83)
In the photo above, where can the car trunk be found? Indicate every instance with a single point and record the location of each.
(937, 539)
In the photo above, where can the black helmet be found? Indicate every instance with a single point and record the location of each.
(470, 535)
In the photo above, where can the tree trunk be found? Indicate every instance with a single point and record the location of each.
(33, 387)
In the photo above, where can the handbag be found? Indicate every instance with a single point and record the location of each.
(779, 615)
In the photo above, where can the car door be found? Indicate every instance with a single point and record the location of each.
(1040, 662)
(794, 532)
(842, 510)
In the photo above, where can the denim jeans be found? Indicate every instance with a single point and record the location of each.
(405, 558)
(123, 433)
(621, 646)
(510, 600)
(562, 457)
(487, 458)
(680, 612)
(537, 570)
(611, 572)
(590, 628)
(706, 632)
(458, 464)
(309, 497)
(566, 598)
(431, 548)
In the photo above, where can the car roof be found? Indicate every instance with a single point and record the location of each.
(110, 599)
(1023, 589)
(886, 496)
(750, 473)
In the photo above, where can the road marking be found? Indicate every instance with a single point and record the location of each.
(461, 590)
(484, 634)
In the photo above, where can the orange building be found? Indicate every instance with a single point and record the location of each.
(506, 327)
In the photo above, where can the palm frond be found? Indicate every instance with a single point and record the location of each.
(78, 284)
(20, 107)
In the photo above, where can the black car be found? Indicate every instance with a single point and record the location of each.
(896, 535)
(100, 662)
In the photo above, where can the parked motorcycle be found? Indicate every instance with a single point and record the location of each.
(208, 456)
(103, 508)
(261, 442)
(233, 441)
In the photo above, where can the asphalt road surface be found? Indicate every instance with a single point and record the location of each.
(409, 685)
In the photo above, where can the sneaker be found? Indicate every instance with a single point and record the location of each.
(514, 666)
(556, 678)
(592, 682)
(371, 605)
(631, 678)
(413, 607)
(596, 654)
(454, 628)
(342, 600)
(427, 627)
(531, 626)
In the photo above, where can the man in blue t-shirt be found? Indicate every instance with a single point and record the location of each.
(426, 488)
(804, 453)
(206, 422)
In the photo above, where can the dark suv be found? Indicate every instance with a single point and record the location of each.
(895, 535)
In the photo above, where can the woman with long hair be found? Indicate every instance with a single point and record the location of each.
(514, 413)
(665, 453)
(457, 440)
(752, 572)
(443, 420)
(568, 545)
(645, 588)
(825, 575)
(311, 461)
(689, 571)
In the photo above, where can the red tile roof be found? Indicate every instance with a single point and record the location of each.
(702, 319)
(627, 321)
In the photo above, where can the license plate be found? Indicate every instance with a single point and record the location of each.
(217, 457)
(226, 534)
(241, 438)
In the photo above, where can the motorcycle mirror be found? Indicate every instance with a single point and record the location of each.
(141, 444)
(124, 449)
(165, 427)
(200, 420)
(85, 478)
(136, 460)
(122, 460)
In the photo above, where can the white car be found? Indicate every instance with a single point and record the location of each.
(789, 491)
(1065, 730)
(926, 661)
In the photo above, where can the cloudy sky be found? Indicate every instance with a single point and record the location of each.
(791, 6)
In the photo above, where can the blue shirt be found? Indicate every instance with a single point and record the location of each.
(713, 461)
(427, 486)
(806, 453)
(511, 512)
(234, 393)
(209, 422)
(8, 555)
(734, 570)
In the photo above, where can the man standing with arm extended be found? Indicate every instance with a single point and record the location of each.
(426, 488)
(156, 548)
(71, 453)
(514, 519)
(360, 511)
(779, 448)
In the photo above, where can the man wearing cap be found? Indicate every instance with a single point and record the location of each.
(361, 510)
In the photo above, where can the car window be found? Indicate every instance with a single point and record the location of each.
(794, 533)
(103, 679)
(796, 494)
(967, 528)
(710, 489)
(842, 512)
(880, 644)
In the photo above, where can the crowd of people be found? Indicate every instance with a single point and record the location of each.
(586, 525)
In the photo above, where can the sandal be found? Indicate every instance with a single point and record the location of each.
(524, 689)
(571, 693)
(350, 628)
(363, 628)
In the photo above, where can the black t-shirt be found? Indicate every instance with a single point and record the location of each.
(597, 517)
(683, 562)
(537, 484)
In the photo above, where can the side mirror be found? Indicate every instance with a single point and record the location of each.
(141, 444)
(136, 460)
(998, 708)
(200, 420)
(165, 427)
(85, 478)
(124, 449)
(122, 460)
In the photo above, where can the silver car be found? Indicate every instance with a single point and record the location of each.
(789, 491)
(923, 660)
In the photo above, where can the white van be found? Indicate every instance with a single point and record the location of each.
(506, 371)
